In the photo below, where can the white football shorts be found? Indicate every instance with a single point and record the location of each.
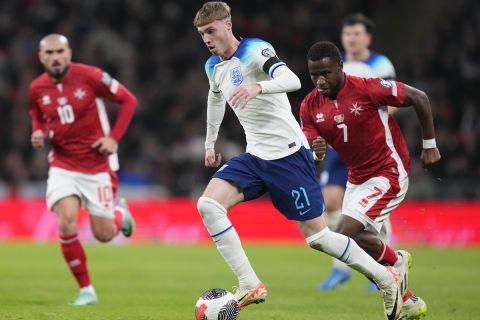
(372, 201)
(96, 191)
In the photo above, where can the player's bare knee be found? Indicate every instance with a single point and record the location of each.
(67, 226)
(103, 229)
(103, 235)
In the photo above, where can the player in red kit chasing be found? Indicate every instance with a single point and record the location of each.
(350, 114)
(67, 106)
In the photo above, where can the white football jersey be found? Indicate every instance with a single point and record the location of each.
(358, 69)
(271, 130)
(380, 64)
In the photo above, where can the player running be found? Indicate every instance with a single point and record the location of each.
(67, 106)
(350, 114)
(360, 61)
(248, 75)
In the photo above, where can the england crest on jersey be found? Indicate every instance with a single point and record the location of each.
(236, 76)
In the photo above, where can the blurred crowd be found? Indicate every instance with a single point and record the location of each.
(152, 48)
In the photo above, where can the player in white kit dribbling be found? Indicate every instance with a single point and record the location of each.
(248, 75)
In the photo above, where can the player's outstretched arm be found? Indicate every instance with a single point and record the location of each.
(284, 80)
(419, 100)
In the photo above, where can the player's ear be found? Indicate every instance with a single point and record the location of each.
(40, 56)
(369, 39)
(228, 23)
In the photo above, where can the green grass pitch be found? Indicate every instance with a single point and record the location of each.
(149, 281)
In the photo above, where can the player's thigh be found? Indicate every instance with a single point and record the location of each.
(294, 187)
(97, 192)
(103, 228)
(236, 181)
(67, 212)
(224, 192)
(61, 184)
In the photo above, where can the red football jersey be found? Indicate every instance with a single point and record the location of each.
(357, 125)
(72, 112)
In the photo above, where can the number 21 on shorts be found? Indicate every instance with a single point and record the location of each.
(302, 203)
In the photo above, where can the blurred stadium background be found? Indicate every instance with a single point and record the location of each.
(152, 47)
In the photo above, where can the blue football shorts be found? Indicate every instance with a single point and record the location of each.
(334, 171)
(290, 181)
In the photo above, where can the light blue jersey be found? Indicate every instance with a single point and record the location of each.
(380, 64)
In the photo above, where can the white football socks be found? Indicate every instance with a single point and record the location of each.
(332, 219)
(347, 250)
(227, 241)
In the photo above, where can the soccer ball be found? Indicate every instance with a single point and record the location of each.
(216, 304)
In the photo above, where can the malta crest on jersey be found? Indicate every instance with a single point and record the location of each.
(62, 101)
(385, 83)
(236, 76)
(320, 117)
(339, 118)
(46, 100)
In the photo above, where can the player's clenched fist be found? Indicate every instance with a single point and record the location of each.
(319, 146)
(212, 159)
(38, 140)
(429, 157)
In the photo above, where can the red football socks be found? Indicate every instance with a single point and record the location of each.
(407, 295)
(387, 256)
(118, 220)
(76, 260)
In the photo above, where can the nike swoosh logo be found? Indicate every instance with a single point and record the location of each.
(244, 296)
(303, 212)
(391, 316)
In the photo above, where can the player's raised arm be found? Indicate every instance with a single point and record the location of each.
(419, 100)
(282, 79)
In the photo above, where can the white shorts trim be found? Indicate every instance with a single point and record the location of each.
(94, 190)
(372, 201)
